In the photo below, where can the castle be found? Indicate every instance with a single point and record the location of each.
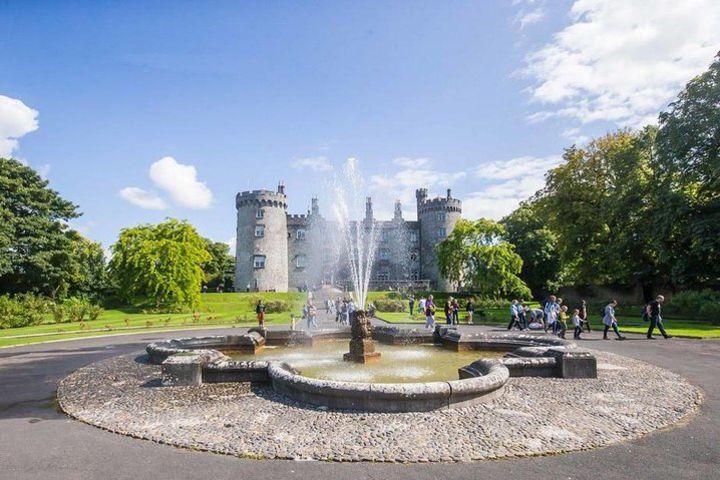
(278, 251)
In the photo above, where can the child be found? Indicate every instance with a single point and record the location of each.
(577, 323)
(293, 321)
(562, 322)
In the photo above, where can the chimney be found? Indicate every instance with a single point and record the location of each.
(448, 195)
(398, 210)
(281, 187)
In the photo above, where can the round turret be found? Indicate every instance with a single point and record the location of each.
(262, 245)
(437, 217)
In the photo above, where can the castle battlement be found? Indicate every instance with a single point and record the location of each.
(440, 204)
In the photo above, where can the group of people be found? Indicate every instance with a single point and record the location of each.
(427, 307)
(554, 316)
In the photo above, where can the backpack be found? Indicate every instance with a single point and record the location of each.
(645, 312)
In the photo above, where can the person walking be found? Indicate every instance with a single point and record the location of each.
(562, 322)
(522, 317)
(421, 306)
(312, 316)
(610, 321)
(577, 323)
(260, 312)
(655, 308)
(582, 313)
(455, 312)
(513, 314)
(470, 309)
(448, 311)
(550, 313)
(411, 304)
(430, 313)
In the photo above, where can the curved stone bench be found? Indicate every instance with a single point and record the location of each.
(391, 397)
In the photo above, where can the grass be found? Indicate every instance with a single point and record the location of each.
(217, 309)
(238, 309)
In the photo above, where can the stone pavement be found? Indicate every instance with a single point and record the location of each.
(36, 441)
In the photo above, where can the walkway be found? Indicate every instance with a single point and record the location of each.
(36, 441)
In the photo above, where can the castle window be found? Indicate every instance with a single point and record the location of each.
(259, 213)
(300, 235)
(383, 235)
(384, 254)
(259, 230)
(301, 261)
(413, 237)
(441, 233)
(383, 276)
(440, 216)
(259, 261)
(413, 257)
(414, 276)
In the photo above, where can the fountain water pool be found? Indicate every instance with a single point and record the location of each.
(400, 363)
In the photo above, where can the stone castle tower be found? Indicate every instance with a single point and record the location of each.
(262, 240)
(280, 252)
(437, 218)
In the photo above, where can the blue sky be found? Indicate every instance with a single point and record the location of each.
(137, 111)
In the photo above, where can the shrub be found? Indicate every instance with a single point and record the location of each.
(94, 311)
(9, 309)
(24, 310)
(702, 305)
(59, 313)
(390, 305)
(76, 309)
(277, 306)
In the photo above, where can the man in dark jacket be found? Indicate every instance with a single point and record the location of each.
(655, 308)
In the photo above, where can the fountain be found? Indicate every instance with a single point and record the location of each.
(360, 239)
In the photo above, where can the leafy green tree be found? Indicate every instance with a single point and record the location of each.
(477, 255)
(537, 245)
(687, 183)
(220, 269)
(598, 204)
(160, 266)
(36, 245)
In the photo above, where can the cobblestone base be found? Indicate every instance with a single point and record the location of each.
(534, 416)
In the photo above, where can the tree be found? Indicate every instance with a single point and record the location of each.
(160, 266)
(687, 183)
(598, 204)
(476, 255)
(220, 269)
(36, 245)
(537, 246)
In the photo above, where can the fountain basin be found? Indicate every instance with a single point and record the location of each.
(480, 380)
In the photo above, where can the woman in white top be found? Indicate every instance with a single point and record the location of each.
(610, 321)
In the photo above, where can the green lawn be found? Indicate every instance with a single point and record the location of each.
(237, 309)
(216, 309)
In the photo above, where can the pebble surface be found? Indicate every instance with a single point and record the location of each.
(534, 416)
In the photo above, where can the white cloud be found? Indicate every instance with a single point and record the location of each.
(409, 162)
(143, 199)
(622, 61)
(525, 18)
(181, 182)
(575, 136)
(232, 243)
(517, 168)
(16, 120)
(316, 164)
(401, 185)
(510, 182)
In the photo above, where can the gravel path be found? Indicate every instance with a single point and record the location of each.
(534, 416)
